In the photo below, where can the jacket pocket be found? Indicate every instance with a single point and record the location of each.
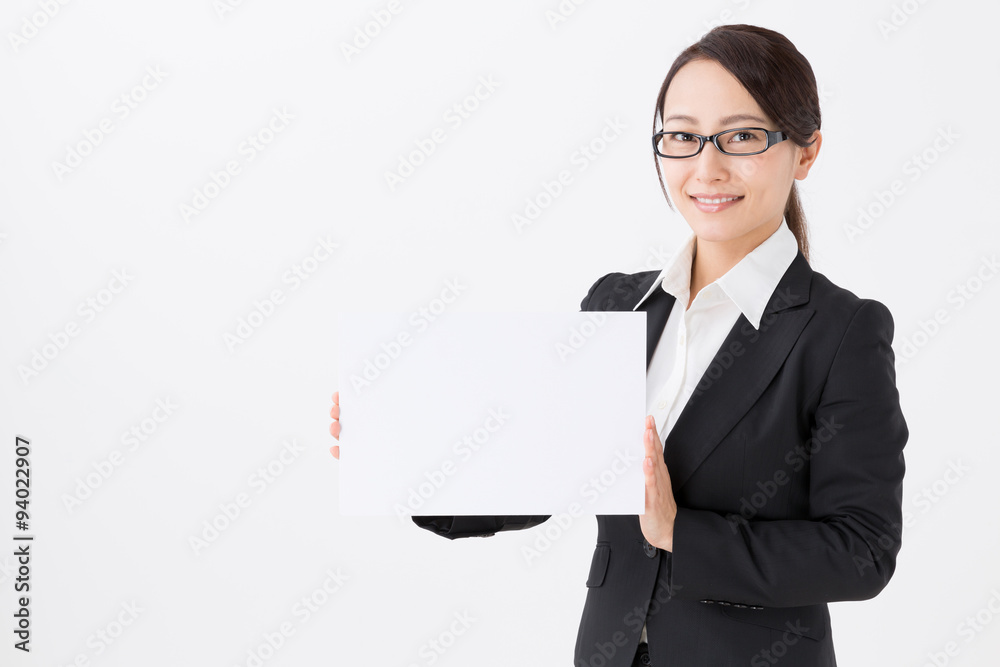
(599, 564)
(809, 621)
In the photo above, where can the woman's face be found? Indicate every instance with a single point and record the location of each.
(710, 96)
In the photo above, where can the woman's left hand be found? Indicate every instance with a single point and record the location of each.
(658, 522)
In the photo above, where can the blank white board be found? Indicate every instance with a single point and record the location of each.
(492, 413)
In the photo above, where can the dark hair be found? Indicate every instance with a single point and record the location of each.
(778, 78)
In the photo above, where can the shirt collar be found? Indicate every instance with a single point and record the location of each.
(749, 284)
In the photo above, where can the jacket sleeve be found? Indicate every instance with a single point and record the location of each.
(847, 549)
(454, 527)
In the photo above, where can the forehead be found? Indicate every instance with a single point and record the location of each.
(706, 93)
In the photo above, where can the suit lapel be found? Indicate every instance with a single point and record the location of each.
(657, 307)
(738, 374)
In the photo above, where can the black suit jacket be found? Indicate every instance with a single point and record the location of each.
(787, 468)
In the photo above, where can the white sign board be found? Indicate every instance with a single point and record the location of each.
(492, 413)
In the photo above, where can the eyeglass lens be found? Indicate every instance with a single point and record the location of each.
(734, 142)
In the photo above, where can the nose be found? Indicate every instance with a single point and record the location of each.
(710, 163)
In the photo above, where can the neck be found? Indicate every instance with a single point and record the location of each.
(713, 259)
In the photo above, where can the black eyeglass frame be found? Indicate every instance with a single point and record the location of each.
(773, 138)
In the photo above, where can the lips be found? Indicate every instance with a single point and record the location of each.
(715, 199)
(715, 203)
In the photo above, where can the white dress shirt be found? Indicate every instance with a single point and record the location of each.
(692, 337)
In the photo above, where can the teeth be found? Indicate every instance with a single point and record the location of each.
(715, 201)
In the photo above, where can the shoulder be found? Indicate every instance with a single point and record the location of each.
(618, 291)
(838, 307)
(848, 335)
(835, 307)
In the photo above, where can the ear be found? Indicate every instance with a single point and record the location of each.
(807, 156)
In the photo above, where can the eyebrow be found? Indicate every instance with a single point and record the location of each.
(722, 121)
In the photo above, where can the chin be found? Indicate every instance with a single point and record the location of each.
(717, 229)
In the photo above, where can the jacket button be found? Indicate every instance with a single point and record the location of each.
(648, 548)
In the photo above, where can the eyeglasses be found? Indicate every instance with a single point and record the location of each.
(739, 141)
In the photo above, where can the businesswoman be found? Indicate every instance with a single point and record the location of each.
(774, 435)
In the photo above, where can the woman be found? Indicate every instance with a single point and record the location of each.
(774, 434)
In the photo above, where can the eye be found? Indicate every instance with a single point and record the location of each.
(682, 137)
(745, 135)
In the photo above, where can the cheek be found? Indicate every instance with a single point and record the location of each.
(766, 172)
(675, 174)
(750, 170)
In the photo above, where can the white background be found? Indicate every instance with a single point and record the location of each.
(163, 335)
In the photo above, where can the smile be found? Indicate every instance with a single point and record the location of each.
(716, 201)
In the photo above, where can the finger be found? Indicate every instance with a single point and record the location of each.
(649, 480)
(656, 433)
(336, 397)
(335, 430)
(649, 460)
(653, 465)
(652, 483)
(651, 439)
(335, 411)
(335, 450)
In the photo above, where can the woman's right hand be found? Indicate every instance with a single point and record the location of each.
(335, 426)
